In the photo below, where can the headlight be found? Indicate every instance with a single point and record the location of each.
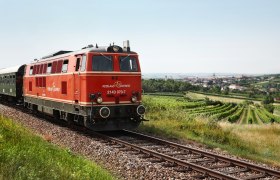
(104, 112)
(134, 99)
(99, 100)
(141, 110)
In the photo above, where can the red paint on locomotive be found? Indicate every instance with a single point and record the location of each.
(87, 85)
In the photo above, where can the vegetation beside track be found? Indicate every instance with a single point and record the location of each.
(175, 121)
(26, 156)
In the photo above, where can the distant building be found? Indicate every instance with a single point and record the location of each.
(236, 87)
(277, 99)
(272, 90)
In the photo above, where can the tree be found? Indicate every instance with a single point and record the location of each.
(269, 107)
(268, 100)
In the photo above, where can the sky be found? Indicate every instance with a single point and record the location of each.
(170, 36)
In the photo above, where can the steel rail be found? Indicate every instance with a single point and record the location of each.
(236, 162)
(188, 165)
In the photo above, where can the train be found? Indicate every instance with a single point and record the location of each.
(98, 87)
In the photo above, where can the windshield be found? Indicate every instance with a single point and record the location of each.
(128, 64)
(102, 63)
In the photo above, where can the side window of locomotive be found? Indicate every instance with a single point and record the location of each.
(102, 63)
(54, 67)
(59, 66)
(41, 69)
(83, 65)
(34, 70)
(128, 64)
(77, 67)
(31, 70)
(44, 69)
(49, 68)
(65, 66)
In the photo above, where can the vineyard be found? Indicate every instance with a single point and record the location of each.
(242, 113)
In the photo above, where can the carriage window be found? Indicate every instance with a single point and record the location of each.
(83, 65)
(31, 70)
(102, 63)
(65, 66)
(128, 64)
(49, 68)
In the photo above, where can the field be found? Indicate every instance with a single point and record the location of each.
(26, 156)
(218, 98)
(241, 113)
(209, 123)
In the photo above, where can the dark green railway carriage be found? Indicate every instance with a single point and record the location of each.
(11, 82)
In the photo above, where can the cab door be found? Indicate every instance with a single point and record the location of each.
(79, 68)
(77, 80)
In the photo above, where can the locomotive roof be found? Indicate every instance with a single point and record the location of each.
(60, 54)
(10, 70)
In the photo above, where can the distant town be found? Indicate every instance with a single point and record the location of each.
(252, 85)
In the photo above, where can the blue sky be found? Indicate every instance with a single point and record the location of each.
(178, 36)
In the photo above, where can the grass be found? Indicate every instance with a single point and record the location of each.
(26, 156)
(263, 139)
(238, 139)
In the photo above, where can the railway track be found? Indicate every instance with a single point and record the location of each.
(185, 159)
(181, 158)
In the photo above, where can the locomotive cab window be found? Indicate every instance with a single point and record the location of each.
(128, 64)
(83, 64)
(49, 68)
(102, 63)
(31, 70)
(77, 67)
(65, 66)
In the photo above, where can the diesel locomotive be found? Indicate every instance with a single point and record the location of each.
(98, 87)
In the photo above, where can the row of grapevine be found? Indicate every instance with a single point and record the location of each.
(234, 117)
(201, 108)
(165, 103)
(258, 119)
(191, 105)
(251, 118)
(206, 110)
(271, 116)
(260, 113)
(217, 111)
(255, 120)
(225, 114)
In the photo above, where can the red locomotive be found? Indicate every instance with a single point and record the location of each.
(98, 87)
